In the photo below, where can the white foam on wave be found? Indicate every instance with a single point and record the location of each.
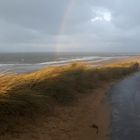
(90, 58)
(72, 60)
(62, 61)
(26, 67)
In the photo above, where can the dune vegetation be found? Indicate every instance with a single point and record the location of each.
(28, 96)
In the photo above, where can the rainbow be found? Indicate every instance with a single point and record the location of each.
(64, 23)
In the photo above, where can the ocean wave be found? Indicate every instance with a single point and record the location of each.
(72, 60)
(64, 61)
(94, 59)
(55, 62)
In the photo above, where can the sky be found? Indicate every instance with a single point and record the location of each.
(69, 25)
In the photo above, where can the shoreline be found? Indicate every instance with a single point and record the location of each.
(29, 68)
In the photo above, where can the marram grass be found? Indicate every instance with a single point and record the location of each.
(28, 96)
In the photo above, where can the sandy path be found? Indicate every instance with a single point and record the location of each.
(73, 122)
(125, 102)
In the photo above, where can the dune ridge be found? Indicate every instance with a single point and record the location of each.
(26, 97)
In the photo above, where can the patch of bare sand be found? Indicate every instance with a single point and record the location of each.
(74, 122)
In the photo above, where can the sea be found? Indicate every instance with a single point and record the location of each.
(28, 62)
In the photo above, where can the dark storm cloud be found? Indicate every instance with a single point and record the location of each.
(43, 25)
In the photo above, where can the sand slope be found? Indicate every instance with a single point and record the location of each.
(73, 122)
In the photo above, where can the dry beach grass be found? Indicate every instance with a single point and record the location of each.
(25, 98)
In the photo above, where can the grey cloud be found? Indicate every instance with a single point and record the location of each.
(34, 25)
(37, 14)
